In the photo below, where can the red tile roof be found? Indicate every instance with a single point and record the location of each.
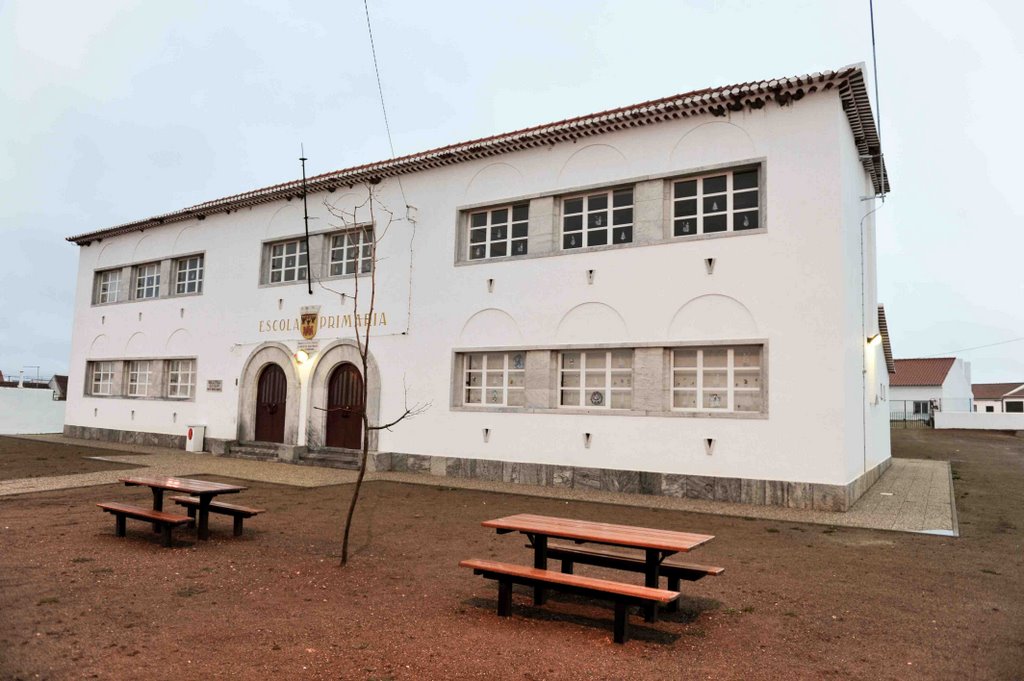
(930, 371)
(847, 81)
(994, 391)
(883, 329)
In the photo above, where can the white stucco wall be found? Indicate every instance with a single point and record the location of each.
(979, 421)
(798, 286)
(28, 410)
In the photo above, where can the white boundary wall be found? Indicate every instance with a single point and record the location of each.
(30, 410)
(978, 420)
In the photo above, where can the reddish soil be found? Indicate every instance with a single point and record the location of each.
(21, 458)
(797, 601)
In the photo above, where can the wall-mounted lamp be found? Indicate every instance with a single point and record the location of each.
(873, 339)
(301, 356)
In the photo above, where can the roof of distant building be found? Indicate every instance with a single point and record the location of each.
(995, 391)
(921, 372)
(720, 101)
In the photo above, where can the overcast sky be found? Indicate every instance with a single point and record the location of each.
(116, 111)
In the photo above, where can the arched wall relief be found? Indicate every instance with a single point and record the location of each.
(337, 352)
(593, 163)
(494, 182)
(188, 240)
(100, 346)
(488, 328)
(136, 345)
(712, 143)
(267, 353)
(712, 317)
(180, 343)
(592, 323)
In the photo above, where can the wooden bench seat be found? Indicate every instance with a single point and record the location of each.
(622, 595)
(165, 522)
(234, 510)
(672, 568)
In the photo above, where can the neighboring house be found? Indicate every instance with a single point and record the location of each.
(998, 397)
(639, 300)
(59, 386)
(920, 386)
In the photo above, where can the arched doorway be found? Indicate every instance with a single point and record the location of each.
(271, 403)
(345, 407)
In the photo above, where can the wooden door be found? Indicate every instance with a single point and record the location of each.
(345, 407)
(271, 400)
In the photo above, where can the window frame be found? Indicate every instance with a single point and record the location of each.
(133, 374)
(585, 230)
(299, 252)
(101, 368)
(146, 281)
(106, 296)
(180, 265)
(730, 389)
(508, 242)
(173, 388)
(730, 212)
(364, 251)
(608, 387)
(507, 370)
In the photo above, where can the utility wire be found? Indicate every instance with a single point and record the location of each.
(977, 347)
(878, 102)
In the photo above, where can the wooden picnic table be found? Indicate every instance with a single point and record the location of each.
(656, 544)
(203, 489)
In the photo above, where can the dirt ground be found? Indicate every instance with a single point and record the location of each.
(797, 601)
(25, 459)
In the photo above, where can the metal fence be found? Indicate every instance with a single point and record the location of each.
(920, 413)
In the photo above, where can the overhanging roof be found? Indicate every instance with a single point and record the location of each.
(848, 81)
(883, 329)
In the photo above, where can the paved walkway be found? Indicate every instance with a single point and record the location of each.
(912, 496)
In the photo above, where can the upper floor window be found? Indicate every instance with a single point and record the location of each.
(108, 285)
(147, 280)
(138, 378)
(498, 232)
(181, 377)
(188, 275)
(288, 261)
(596, 379)
(717, 379)
(350, 250)
(726, 201)
(101, 380)
(495, 379)
(598, 219)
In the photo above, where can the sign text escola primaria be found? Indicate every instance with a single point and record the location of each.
(336, 321)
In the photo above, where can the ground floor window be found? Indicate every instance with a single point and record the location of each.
(181, 376)
(717, 379)
(921, 407)
(101, 379)
(495, 379)
(599, 379)
(138, 378)
(1015, 407)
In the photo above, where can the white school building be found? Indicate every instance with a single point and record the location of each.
(676, 297)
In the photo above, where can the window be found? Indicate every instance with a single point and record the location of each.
(188, 275)
(107, 286)
(596, 379)
(1014, 407)
(498, 232)
(990, 409)
(717, 379)
(288, 261)
(181, 375)
(921, 407)
(715, 203)
(598, 219)
(351, 249)
(101, 381)
(147, 281)
(138, 378)
(495, 379)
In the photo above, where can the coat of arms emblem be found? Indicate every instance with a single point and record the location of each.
(309, 321)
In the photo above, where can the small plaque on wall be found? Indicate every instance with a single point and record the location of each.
(309, 346)
(214, 386)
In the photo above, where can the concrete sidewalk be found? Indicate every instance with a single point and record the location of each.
(911, 496)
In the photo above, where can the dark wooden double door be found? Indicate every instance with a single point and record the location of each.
(345, 407)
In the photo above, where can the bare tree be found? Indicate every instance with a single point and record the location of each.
(363, 341)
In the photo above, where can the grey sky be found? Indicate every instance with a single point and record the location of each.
(115, 111)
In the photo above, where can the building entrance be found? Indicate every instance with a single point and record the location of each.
(345, 407)
(271, 400)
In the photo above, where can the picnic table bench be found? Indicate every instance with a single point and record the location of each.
(164, 521)
(622, 595)
(203, 489)
(238, 513)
